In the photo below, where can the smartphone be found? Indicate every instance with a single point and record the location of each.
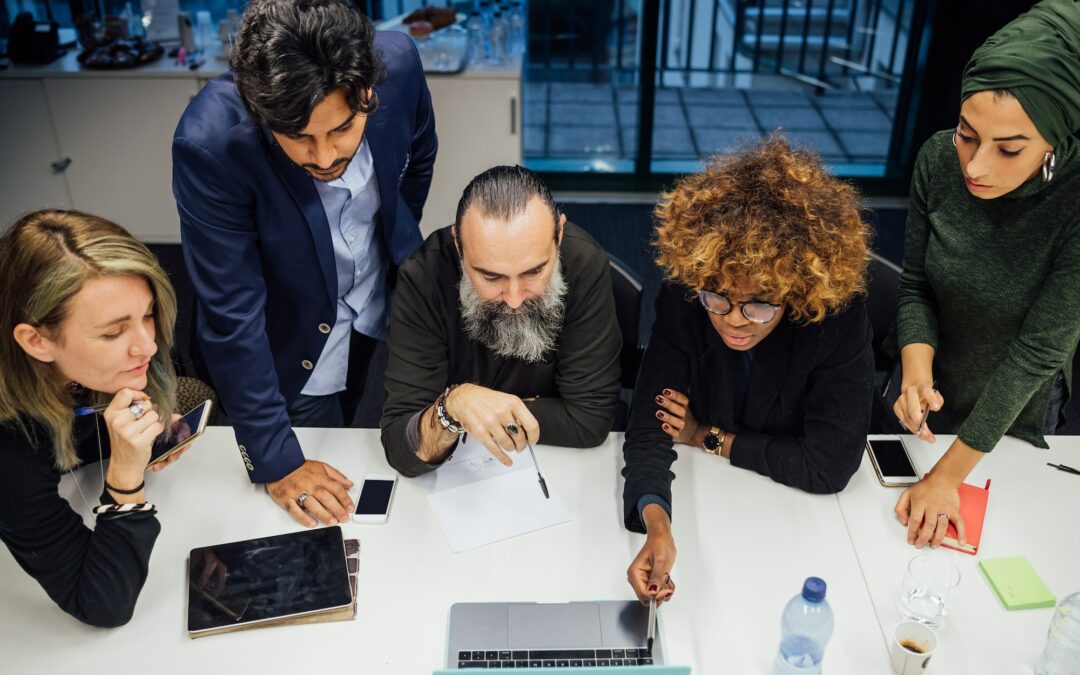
(183, 431)
(373, 503)
(891, 461)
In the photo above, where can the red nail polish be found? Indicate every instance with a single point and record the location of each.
(652, 588)
(659, 415)
(659, 400)
(667, 392)
(666, 427)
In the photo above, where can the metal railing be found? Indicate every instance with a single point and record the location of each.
(824, 43)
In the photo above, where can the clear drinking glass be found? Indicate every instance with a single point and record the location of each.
(929, 588)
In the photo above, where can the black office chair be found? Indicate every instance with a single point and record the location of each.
(627, 288)
(882, 287)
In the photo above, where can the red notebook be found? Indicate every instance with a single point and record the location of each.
(973, 511)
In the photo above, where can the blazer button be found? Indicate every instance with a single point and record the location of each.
(249, 466)
(324, 328)
(243, 450)
(308, 365)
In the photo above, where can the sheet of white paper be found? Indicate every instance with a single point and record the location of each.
(478, 501)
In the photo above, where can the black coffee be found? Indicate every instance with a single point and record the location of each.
(912, 646)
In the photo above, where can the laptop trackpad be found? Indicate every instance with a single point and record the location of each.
(554, 626)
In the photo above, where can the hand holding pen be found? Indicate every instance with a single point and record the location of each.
(914, 406)
(513, 429)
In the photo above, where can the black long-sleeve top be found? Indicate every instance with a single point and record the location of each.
(573, 391)
(807, 401)
(93, 575)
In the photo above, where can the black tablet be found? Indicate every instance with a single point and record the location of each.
(267, 579)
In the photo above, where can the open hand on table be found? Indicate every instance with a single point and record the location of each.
(926, 509)
(327, 488)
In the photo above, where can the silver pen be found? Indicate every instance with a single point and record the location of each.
(539, 475)
(651, 635)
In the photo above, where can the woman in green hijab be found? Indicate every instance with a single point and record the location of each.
(989, 303)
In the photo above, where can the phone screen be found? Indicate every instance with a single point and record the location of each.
(181, 430)
(374, 497)
(892, 459)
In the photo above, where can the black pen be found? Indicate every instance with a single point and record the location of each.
(1066, 469)
(651, 634)
(925, 414)
(539, 476)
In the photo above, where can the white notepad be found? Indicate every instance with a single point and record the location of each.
(463, 491)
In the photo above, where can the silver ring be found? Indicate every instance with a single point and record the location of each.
(512, 429)
(942, 515)
(301, 497)
(137, 410)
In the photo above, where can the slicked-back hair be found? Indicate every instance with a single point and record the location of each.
(504, 192)
(290, 54)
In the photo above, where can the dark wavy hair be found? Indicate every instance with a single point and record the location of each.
(290, 54)
(773, 214)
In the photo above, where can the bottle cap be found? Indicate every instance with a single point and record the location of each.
(813, 589)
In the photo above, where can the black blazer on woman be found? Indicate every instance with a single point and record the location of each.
(807, 401)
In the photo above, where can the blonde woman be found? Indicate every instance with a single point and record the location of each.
(86, 320)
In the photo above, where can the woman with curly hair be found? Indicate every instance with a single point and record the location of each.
(760, 352)
(987, 316)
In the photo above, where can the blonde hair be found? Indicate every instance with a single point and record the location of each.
(774, 215)
(45, 259)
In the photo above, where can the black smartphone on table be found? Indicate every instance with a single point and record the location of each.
(891, 461)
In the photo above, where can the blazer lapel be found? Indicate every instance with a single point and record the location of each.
(769, 374)
(302, 189)
(382, 158)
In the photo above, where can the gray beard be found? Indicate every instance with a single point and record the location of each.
(525, 333)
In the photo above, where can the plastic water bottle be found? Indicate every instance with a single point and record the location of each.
(499, 37)
(477, 38)
(517, 28)
(1061, 656)
(805, 629)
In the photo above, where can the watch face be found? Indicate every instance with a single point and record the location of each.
(711, 442)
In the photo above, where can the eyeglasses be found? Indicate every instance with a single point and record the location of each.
(720, 304)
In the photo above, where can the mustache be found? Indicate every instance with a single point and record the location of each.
(337, 162)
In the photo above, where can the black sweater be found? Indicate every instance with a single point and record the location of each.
(94, 575)
(574, 389)
(807, 406)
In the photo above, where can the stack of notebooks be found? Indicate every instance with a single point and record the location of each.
(302, 577)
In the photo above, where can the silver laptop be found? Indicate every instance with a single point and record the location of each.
(566, 635)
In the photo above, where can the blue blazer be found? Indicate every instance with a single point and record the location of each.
(257, 244)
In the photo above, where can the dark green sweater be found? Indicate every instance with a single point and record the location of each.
(994, 287)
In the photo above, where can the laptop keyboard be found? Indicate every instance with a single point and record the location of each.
(553, 658)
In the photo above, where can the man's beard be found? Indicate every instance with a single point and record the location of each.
(525, 333)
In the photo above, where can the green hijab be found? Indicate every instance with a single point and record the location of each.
(1036, 58)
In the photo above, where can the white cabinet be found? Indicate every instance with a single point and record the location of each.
(28, 179)
(118, 134)
(478, 121)
(117, 129)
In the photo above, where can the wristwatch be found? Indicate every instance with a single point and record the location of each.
(447, 422)
(714, 441)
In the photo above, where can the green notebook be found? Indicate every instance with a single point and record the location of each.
(1016, 583)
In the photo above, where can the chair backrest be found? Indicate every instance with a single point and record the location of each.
(882, 286)
(627, 288)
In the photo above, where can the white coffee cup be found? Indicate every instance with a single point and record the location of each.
(912, 647)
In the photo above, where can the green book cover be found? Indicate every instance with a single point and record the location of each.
(1016, 583)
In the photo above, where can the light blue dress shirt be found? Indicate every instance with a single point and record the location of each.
(352, 205)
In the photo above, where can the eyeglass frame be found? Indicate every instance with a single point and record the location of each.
(741, 305)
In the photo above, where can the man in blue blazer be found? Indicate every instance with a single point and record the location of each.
(300, 177)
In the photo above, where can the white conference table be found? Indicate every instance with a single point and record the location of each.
(745, 545)
(1033, 511)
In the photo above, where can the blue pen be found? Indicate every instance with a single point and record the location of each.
(90, 410)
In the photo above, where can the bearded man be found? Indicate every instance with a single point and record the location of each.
(503, 327)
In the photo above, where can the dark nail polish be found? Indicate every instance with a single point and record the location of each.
(666, 427)
(659, 415)
(660, 400)
(667, 392)
(653, 588)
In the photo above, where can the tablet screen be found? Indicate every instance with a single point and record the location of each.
(268, 578)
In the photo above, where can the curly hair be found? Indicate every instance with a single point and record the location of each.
(773, 215)
(290, 54)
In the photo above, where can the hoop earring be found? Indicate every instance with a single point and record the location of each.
(1049, 161)
(955, 131)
